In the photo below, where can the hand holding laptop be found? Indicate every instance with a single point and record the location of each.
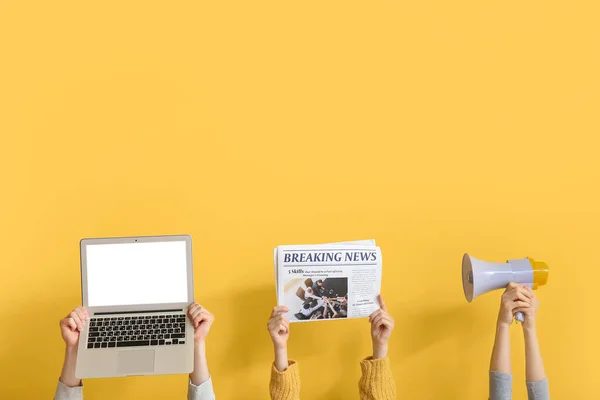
(202, 320)
(72, 325)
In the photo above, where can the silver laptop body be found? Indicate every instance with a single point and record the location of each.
(137, 291)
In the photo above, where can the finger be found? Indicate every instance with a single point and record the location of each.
(526, 310)
(521, 296)
(377, 326)
(377, 319)
(276, 325)
(388, 319)
(281, 318)
(201, 315)
(205, 316)
(192, 308)
(205, 312)
(519, 303)
(198, 307)
(389, 323)
(70, 322)
(509, 295)
(525, 290)
(197, 311)
(75, 318)
(512, 285)
(375, 314)
(196, 318)
(83, 314)
(282, 329)
(382, 304)
(193, 317)
(509, 304)
(279, 309)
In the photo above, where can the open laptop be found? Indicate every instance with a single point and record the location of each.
(137, 291)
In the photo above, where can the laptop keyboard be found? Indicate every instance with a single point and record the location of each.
(155, 330)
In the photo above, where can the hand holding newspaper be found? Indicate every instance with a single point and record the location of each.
(328, 281)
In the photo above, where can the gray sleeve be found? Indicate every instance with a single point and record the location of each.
(204, 391)
(538, 390)
(64, 392)
(500, 386)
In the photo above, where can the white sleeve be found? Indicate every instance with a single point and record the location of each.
(204, 391)
(64, 392)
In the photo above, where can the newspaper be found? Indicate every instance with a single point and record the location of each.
(328, 281)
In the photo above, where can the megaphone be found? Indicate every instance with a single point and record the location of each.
(479, 277)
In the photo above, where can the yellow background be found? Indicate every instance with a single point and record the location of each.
(435, 127)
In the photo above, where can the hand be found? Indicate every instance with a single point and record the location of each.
(72, 325)
(279, 327)
(531, 311)
(201, 320)
(514, 297)
(382, 325)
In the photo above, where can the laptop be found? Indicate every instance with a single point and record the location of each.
(137, 291)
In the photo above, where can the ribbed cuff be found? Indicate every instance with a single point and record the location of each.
(285, 385)
(377, 381)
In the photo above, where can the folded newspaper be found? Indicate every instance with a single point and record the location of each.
(328, 281)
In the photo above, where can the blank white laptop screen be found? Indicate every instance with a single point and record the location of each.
(136, 273)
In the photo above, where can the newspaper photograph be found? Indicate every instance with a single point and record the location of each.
(328, 281)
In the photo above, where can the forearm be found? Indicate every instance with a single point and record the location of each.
(380, 351)
(534, 366)
(67, 376)
(200, 373)
(281, 358)
(500, 361)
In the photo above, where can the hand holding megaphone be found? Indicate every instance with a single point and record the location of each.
(516, 299)
(480, 276)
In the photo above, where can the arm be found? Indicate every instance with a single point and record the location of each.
(500, 377)
(285, 378)
(200, 386)
(537, 383)
(69, 387)
(377, 381)
(500, 361)
(500, 370)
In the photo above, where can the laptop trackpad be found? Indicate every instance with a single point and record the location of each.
(135, 362)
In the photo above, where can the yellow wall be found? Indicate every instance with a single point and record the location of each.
(434, 127)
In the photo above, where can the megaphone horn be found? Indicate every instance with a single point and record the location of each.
(479, 277)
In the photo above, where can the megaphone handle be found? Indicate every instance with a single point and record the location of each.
(519, 316)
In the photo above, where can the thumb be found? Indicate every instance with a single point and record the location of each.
(382, 303)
